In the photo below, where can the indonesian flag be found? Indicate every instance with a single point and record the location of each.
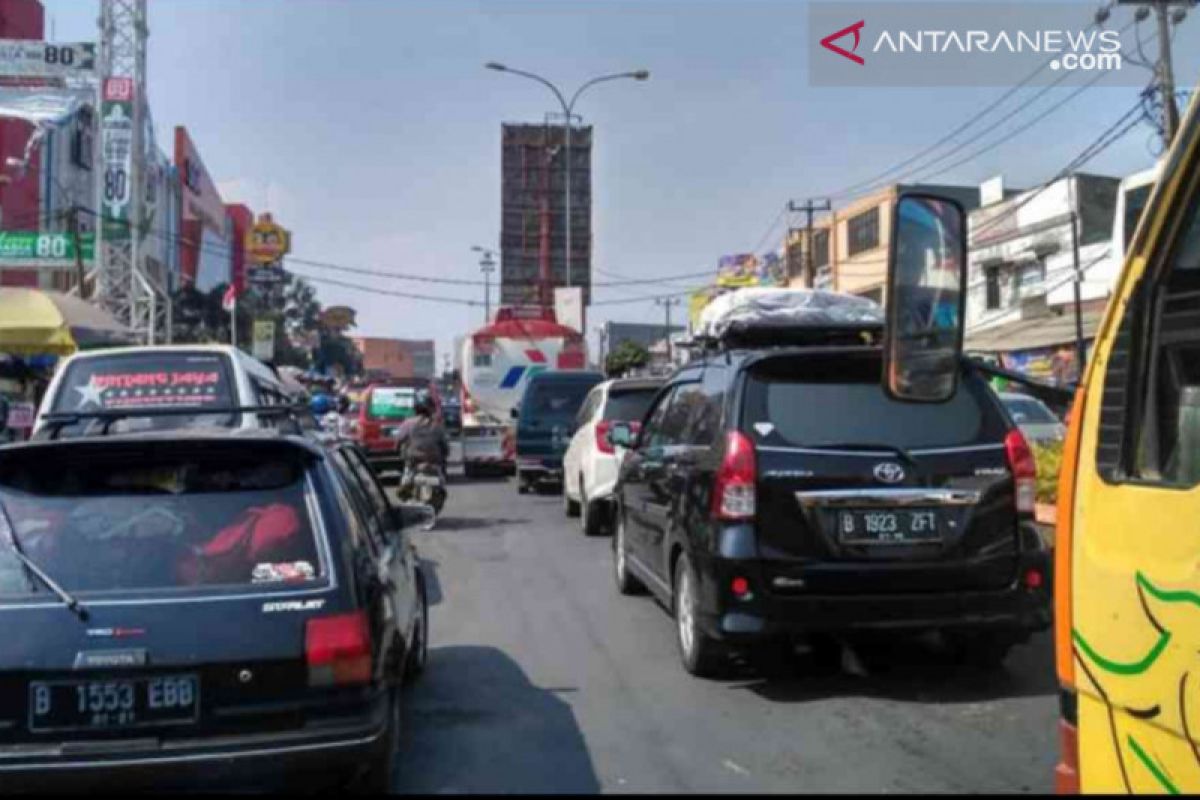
(229, 300)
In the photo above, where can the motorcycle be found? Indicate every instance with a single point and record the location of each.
(425, 484)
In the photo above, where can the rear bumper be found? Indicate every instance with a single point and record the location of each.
(535, 468)
(1015, 609)
(330, 747)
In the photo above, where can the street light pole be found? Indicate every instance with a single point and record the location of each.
(568, 113)
(487, 265)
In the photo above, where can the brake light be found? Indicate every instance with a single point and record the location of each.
(602, 442)
(1024, 470)
(338, 650)
(1064, 654)
(736, 481)
(1066, 773)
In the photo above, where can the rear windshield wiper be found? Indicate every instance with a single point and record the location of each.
(866, 447)
(72, 604)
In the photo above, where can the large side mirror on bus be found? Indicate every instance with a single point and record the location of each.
(926, 299)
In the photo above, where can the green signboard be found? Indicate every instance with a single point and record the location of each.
(34, 248)
(392, 403)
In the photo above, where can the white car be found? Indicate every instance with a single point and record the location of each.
(590, 463)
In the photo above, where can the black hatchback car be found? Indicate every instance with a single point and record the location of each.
(199, 606)
(774, 493)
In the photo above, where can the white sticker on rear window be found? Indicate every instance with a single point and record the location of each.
(764, 428)
(292, 605)
(288, 572)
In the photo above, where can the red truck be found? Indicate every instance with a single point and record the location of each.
(383, 409)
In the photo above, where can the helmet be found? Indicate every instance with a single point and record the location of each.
(321, 405)
(423, 404)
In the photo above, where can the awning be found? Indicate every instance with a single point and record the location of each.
(42, 105)
(1032, 334)
(33, 321)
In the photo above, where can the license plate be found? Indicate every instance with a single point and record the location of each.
(426, 480)
(118, 703)
(916, 526)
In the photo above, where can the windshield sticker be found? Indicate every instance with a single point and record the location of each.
(293, 605)
(764, 428)
(288, 572)
(115, 390)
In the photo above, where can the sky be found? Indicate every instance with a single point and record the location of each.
(371, 130)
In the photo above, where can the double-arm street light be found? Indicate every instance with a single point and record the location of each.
(487, 265)
(568, 109)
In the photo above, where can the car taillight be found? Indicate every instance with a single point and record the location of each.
(338, 650)
(736, 480)
(1024, 470)
(602, 442)
(1066, 773)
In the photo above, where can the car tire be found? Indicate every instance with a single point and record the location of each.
(985, 650)
(627, 584)
(590, 515)
(469, 472)
(571, 507)
(522, 484)
(702, 655)
(379, 774)
(418, 650)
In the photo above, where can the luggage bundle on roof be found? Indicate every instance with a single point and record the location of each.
(763, 317)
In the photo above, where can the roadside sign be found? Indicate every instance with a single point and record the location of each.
(267, 242)
(44, 249)
(116, 126)
(29, 58)
(264, 339)
(265, 274)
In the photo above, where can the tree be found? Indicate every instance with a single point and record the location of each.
(625, 357)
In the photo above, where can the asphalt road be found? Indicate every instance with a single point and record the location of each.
(541, 678)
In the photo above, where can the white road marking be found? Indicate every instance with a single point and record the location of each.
(740, 770)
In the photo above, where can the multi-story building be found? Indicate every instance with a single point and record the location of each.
(850, 244)
(532, 191)
(397, 358)
(1036, 289)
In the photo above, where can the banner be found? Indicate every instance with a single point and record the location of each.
(116, 131)
(28, 58)
(34, 249)
(264, 339)
(737, 270)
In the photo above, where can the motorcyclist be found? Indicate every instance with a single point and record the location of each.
(422, 440)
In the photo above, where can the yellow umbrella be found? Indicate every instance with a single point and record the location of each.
(33, 321)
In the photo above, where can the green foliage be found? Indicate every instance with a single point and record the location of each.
(624, 357)
(1049, 464)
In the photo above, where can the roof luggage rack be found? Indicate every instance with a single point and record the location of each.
(55, 422)
(777, 317)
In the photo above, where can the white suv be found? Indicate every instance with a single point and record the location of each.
(591, 461)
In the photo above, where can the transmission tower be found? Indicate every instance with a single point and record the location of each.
(122, 285)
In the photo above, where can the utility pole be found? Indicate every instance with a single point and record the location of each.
(1164, 69)
(80, 274)
(602, 337)
(666, 303)
(1080, 346)
(810, 207)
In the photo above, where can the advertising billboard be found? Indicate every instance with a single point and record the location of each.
(203, 224)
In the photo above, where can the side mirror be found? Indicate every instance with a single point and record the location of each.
(926, 300)
(621, 435)
(514, 412)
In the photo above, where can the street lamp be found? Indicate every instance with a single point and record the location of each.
(568, 108)
(487, 265)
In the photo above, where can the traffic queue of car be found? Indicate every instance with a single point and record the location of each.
(770, 493)
(198, 586)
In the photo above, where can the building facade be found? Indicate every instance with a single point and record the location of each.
(850, 244)
(397, 358)
(532, 191)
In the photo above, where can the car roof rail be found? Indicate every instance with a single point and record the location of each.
(764, 337)
(56, 421)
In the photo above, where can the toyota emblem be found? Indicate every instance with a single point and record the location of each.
(889, 472)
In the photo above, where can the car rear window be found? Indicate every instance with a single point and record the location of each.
(393, 402)
(829, 402)
(629, 405)
(160, 522)
(556, 399)
(1029, 411)
(148, 381)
